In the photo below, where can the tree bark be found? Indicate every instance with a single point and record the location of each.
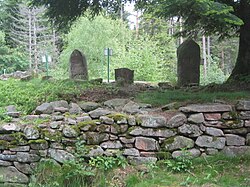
(242, 66)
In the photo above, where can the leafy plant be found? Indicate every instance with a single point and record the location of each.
(181, 163)
(3, 116)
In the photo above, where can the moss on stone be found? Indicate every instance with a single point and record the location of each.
(168, 141)
(76, 128)
(88, 122)
(117, 128)
(4, 144)
(39, 141)
(163, 155)
(52, 136)
(118, 116)
(19, 138)
(138, 120)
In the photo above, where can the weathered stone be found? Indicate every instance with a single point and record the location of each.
(20, 148)
(31, 132)
(166, 133)
(229, 124)
(240, 131)
(132, 121)
(5, 163)
(9, 127)
(88, 106)
(243, 105)
(178, 142)
(131, 108)
(107, 120)
(45, 108)
(12, 112)
(191, 153)
(59, 104)
(111, 152)
(116, 103)
(24, 168)
(234, 140)
(26, 157)
(60, 155)
(124, 76)
(94, 138)
(74, 108)
(95, 151)
(70, 132)
(165, 85)
(227, 115)
(103, 128)
(111, 145)
(247, 123)
(122, 121)
(7, 152)
(245, 115)
(113, 137)
(146, 144)
(196, 118)
(61, 109)
(70, 121)
(152, 121)
(206, 108)
(190, 130)
(141, 160)
(233, 151)
(12, 175)
(83, 118)
(177, 121)
(39, 145)
(212, 116)
(131, 152)
(57, 118)
(148, 154)
(211, 142)
(214, 131)
(8, 157)
(7, 137)
(99, 112)
(188, 66)
(211, 151)
(127, 140)
(45, 116)
(55, 124)
(248, 139)
(78, 66)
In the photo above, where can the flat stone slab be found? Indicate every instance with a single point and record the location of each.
(233, 151)
(12, 175)
(211, 142)
(243, 105)
(206, 108)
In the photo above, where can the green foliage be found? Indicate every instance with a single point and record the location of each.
(181, 163)
(107, 163)
(3, 116)
(214, 75)
(147, 56)
(11, 59)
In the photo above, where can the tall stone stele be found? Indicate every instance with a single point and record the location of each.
(124, 76)
(188, 67)
(78, 66)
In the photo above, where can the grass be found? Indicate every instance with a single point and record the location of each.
(217, 171)
(27, 95)
(157, 98)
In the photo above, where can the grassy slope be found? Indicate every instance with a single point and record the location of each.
(27, 95)
(217, 171)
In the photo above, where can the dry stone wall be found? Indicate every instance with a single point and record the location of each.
(119, 125)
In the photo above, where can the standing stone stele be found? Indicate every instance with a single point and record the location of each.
(124, 76)
(188, 67)
(78, 66)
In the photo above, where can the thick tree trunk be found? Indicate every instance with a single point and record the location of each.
(242, 66)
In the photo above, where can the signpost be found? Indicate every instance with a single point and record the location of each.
(108, 52)
(47, 59)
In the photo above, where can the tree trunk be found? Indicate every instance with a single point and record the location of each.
(242, 66)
